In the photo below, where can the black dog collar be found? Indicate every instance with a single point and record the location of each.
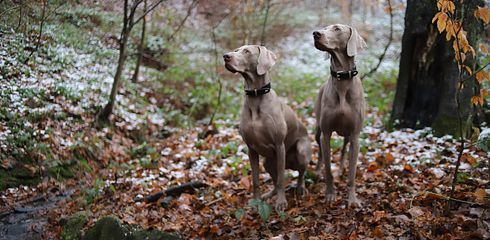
(258, 92)
(344, 74)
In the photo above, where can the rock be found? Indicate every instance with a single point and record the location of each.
(107, 228)
(111, 228)
(72, 229)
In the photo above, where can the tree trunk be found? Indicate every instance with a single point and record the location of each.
(140, 47)
(426, 88)
(103, 116)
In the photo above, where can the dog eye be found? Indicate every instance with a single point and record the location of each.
(337, 29)
(246, 51)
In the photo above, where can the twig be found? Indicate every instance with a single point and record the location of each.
(264, 24)
(43, 19)
(189, 11)
(460, 119)
(148, 11)
(390, 39)
(475, 72)
(444, 197)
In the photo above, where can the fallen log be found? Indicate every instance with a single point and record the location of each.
(174, 191)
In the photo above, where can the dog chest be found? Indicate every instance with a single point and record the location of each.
(256, 133)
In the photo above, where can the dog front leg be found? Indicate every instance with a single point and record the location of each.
(254, 163)
(319, 163)
(353, 155)
(281, 202)
(325, 139)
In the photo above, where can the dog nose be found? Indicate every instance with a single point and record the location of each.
(316, 34)
(227, 57)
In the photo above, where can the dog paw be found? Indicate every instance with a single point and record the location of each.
(281, 204)
(353, 202)
(269, 194)
(301, 191)
(330, 198)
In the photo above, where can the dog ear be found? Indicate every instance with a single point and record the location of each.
(267, 59)
(327, 55)
(355, 43)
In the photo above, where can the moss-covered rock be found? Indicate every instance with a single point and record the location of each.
(72, 229)
(111, 228)
(107, 228)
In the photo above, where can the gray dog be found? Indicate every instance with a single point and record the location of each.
(340, 104)
(268, 126)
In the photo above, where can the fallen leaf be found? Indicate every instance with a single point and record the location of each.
(416, 211)
(245, 182)
(373, 166)
(408, 168)
(480, 194)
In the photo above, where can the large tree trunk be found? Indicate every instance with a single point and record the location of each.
(426, 88)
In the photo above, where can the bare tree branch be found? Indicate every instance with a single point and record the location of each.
(148, 11)
(390, 39)
(189, 11)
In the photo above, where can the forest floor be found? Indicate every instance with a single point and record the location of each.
(403, 180)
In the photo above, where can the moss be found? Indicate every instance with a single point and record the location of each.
(73, 226)
(447, 125)
(17, 176)
(61, 172)
(108, 228)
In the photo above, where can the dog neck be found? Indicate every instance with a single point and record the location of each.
(341, 62)
(255, 81)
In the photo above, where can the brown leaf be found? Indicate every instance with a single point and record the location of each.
(480, 194)
(408, 168)
(378, 215)
(373, 166)
(245, 182)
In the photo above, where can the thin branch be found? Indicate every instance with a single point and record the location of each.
(390, 39)
(460, 118)
(147, 11)
(475, 72)
(264, 24)
(189, 11)
(40, 35)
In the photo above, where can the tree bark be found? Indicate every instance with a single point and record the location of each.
(103, 116)
(427, 81)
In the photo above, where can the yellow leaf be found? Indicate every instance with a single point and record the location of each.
(468, 69)
(480, 76)
(477, 100)
(451, 7)
(483, 48)
(484, 93)
(441, 22)
(436, 17)
(483, 14)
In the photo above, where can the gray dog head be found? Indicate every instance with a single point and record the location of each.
(339, 37)
(252, 59)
